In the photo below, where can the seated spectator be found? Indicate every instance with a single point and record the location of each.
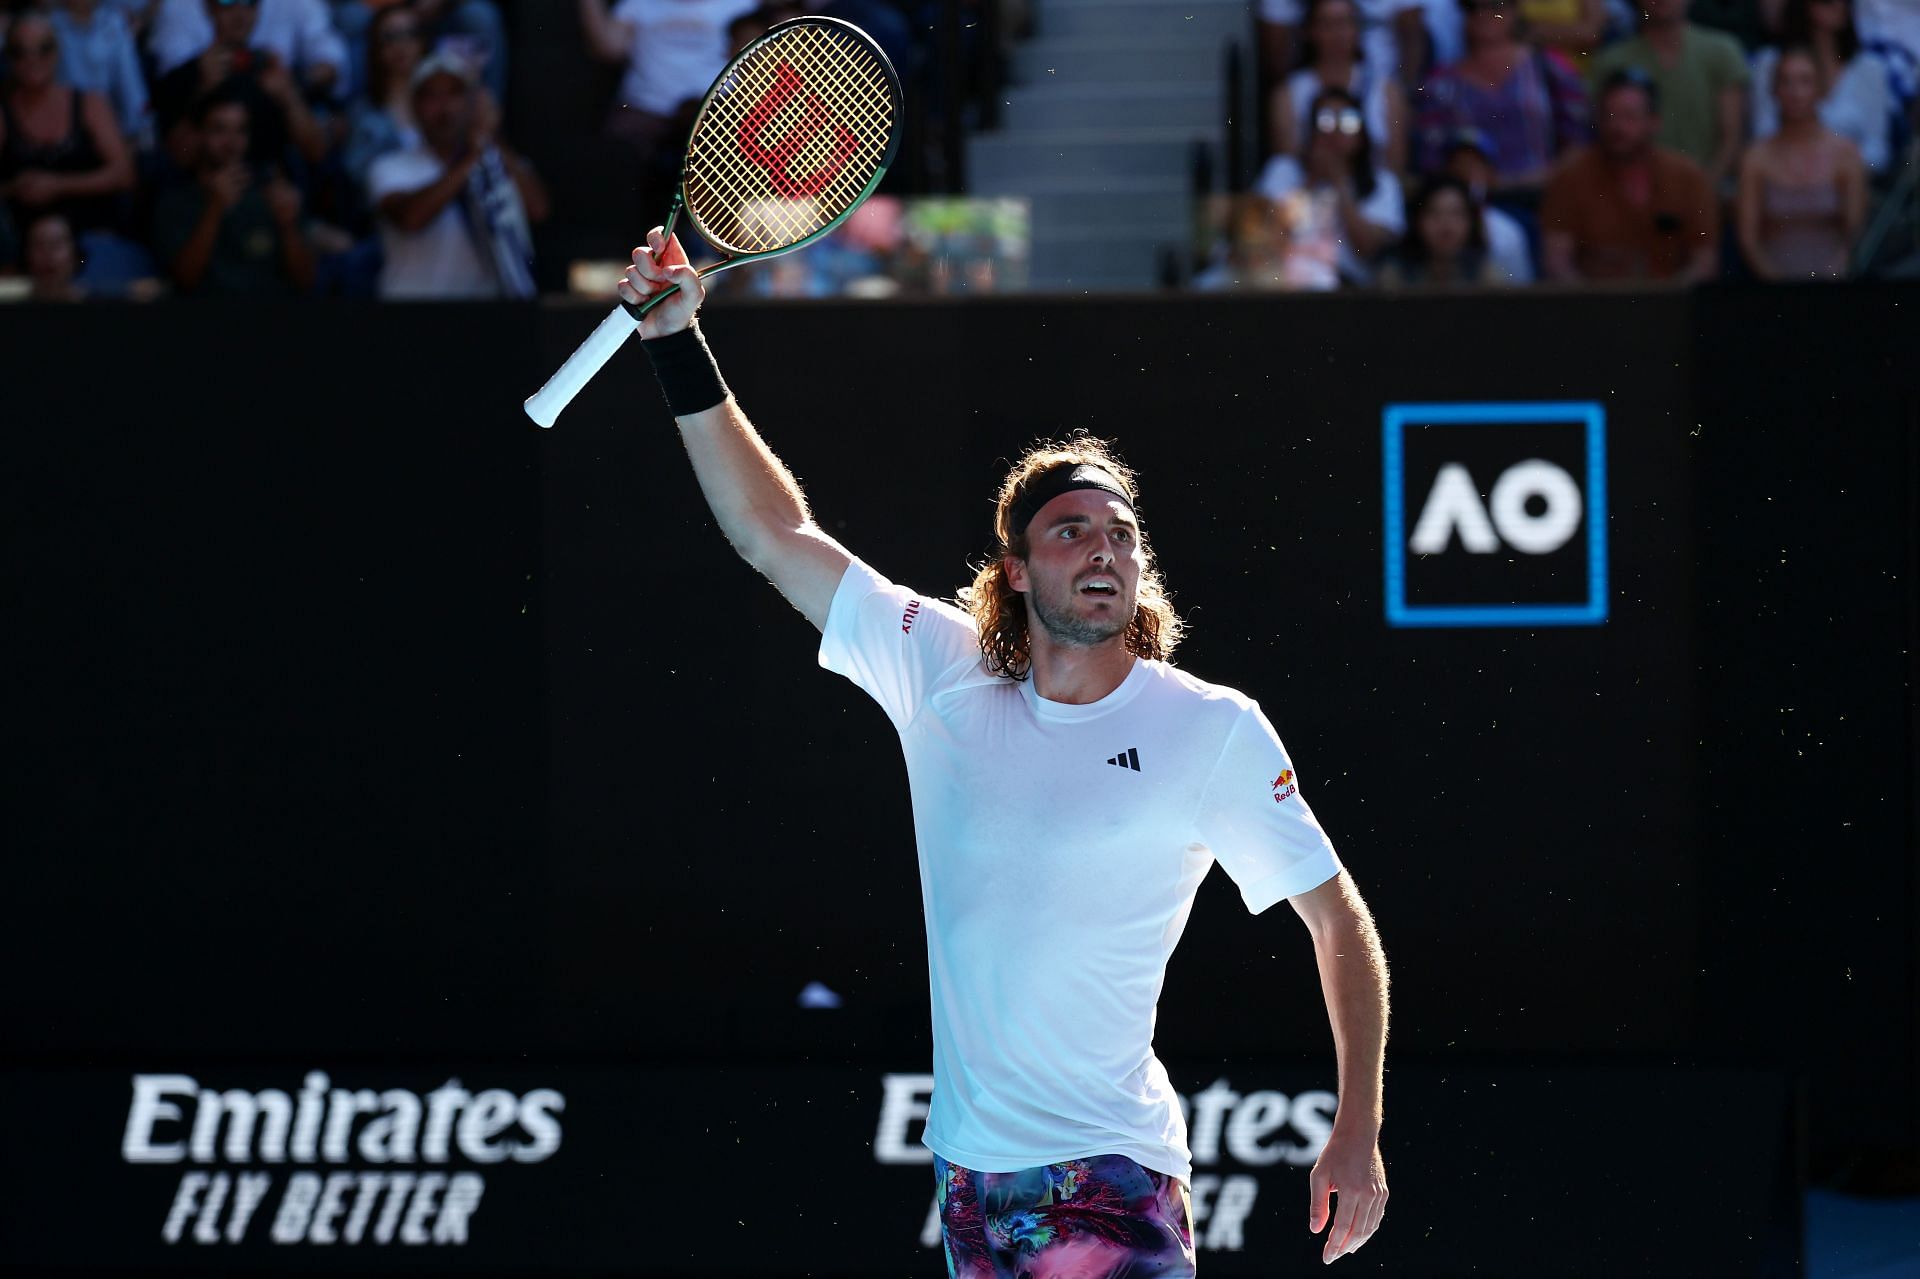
(1331, 59)
(1803, 190)
(98, 55)
(380, 119)
(1255, 255)
(298, 33)
(283, 130)
(231, 232)
(61, 150)
(1445, 244)
(1852, 87)
(1393, 38)
(1627, 208)
(1469, 156)
(52, 261)
(1336, 192)
(473, 29)
(455, 210)
(1528, 100)
(1701, 78)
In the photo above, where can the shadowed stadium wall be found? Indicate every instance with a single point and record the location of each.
(358, 724)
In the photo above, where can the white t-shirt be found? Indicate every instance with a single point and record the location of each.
(441, 259)
(1386, 207)
(1507, 246)
(1060, 850)
(679, 46)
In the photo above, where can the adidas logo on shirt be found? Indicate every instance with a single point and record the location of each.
(1128, 758)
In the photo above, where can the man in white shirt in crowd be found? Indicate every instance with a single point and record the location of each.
(1071, 788)
(455, 211)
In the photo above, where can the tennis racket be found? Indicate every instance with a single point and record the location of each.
(797, 131)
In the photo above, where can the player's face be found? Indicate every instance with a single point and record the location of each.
(1081, 576)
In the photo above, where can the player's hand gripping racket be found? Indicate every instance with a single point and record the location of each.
(797, 131)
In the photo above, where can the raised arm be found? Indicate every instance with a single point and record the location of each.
(754, 497)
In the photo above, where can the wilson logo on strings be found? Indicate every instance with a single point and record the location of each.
(777, 158)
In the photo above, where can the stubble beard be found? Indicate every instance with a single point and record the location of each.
(1070, 630)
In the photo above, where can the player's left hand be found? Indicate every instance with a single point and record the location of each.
(1350, 1168)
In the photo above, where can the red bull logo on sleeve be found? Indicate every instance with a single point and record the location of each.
(1283, 786)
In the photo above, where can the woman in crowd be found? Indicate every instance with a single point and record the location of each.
(1803, 191)
(380, 119)
(61, 151)
(1446, 241)
(1527, 99)
(1332, 58)
(1855, 98)
(1337, 197)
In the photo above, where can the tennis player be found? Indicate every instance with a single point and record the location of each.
(1071, 788)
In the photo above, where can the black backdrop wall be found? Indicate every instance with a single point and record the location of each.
(358, 726)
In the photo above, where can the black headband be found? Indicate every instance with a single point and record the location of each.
(1064, 478)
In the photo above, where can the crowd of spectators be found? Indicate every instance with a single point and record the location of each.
(1499, 142)
(260, 148)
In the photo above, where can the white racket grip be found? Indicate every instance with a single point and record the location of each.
(544, 405)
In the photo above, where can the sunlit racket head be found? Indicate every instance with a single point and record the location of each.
(796, 132)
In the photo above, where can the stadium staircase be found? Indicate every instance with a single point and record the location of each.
(1114, 116)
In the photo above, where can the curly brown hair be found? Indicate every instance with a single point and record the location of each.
(1000, 612)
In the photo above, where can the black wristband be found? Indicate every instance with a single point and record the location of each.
(685, 369)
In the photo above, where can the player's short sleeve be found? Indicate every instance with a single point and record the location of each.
(894, 642)
(1255, 818)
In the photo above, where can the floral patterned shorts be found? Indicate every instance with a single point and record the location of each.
(1100, 1218)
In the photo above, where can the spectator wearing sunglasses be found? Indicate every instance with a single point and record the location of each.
(1627, 208)
(299, 34)
(1336, 191)
(1527, 99)
(60, 148)
(1803, 189)
(1333, 57)
(1852, 87)
(1700, 76)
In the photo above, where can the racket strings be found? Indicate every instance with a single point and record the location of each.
(830, 121)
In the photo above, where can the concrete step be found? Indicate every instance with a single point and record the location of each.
(1047, 60)
(1149, 19)
(1132, 256)
(1083, 106)
(1167, 210)
(1008, 163)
